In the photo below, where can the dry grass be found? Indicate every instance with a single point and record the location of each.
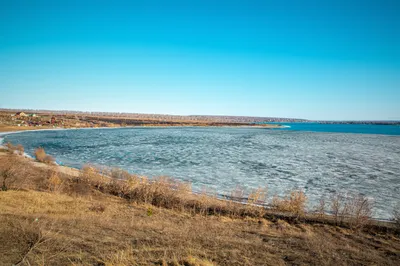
(47, 218)
(74, 232)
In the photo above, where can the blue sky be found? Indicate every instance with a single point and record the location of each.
(307, 59)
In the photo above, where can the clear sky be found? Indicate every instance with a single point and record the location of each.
(306, 59)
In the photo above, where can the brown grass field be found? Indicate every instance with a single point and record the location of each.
(53, 215)
(10, 121)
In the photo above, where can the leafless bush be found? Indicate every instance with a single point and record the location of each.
(360, 210)
(10, 171)
(339, 207)
(258, 196)
(41, 156)
(237, 194)
(396, 215)
(321, 208)
(17, 173)
(94, 177)
(10, 147)
(119, 174)
(49, 159)
(294, 203)
(159, 192)
(20, 149)
(355, 209)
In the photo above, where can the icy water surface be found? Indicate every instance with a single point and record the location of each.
(220, 159)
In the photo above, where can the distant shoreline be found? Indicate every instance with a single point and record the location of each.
(9, 130)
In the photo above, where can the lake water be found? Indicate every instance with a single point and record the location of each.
(312, 157)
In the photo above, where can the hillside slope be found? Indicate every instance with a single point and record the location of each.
(48, 217)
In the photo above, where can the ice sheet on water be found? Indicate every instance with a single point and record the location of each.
(223, 158)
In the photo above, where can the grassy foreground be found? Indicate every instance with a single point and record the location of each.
(52, 215)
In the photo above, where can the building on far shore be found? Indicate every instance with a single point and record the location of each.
(20, 114)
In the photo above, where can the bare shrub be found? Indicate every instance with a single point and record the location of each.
(355, 209)
(20, 149)
(396, 215)
(79, 188)
(321, 208)
(40, 154)
(117, 187)
(294, 203)
(133, 181)
(237, 194)
(161, 192)
(258, 196)
(94, 177)
(337, 207)
(49, 159)
(118, 173)
(360, 210)
(17, 173)
(10, 147)
(10, 171)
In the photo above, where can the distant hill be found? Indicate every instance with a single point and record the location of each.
(165, 117)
